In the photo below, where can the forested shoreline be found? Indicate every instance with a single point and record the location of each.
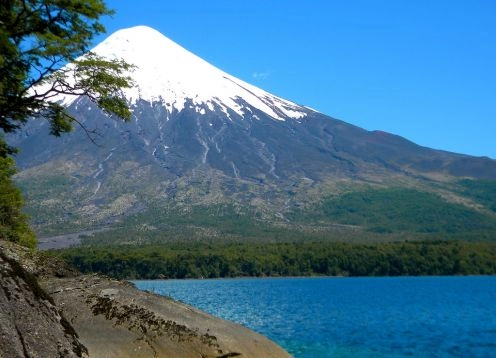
(183, 260)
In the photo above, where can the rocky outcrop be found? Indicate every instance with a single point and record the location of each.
(114, 319)
(31, 325)
(49, 310)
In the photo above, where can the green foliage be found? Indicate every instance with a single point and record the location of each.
(13, 223)
(396, 210)
(220, 222)
(482, 191)
(286, 259)
(37, 39)
(367, 215)
(370, 215)
(41, 44)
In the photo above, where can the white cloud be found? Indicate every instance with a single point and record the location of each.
(260, 76)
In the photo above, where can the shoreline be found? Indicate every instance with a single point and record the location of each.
(49, 309)
(240, 278)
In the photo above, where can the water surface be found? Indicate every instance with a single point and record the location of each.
(354, 317)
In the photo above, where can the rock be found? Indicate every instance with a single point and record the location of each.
(30, 323)
(114, 319)
(48, 309)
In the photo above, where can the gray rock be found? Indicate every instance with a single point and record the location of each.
(114, 319)
(49, 310)
(30, 323)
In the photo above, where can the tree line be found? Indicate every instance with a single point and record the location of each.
(286, 259)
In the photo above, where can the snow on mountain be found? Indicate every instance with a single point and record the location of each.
(185, 164)
(168, 73)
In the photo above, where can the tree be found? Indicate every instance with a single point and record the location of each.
(44, 54)
(42, 43)
(13, 223)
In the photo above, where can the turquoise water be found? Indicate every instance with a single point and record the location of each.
(354, 317)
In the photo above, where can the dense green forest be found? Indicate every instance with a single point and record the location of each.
(481, 191)
(395, 210)
(182, 260)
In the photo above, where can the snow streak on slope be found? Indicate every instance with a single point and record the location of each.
(168, 73)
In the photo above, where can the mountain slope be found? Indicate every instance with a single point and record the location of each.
(173, 76)
(210, 151)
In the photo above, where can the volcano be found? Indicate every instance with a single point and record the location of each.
(207, 154)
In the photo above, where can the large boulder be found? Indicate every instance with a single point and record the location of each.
(49, 310)
(114, 319)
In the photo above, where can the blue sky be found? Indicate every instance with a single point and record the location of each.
(423, 69)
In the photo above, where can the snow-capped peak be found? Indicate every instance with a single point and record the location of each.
(168, 73)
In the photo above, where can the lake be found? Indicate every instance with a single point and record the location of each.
(354, 317)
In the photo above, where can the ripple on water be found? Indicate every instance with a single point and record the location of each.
(439, 317)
